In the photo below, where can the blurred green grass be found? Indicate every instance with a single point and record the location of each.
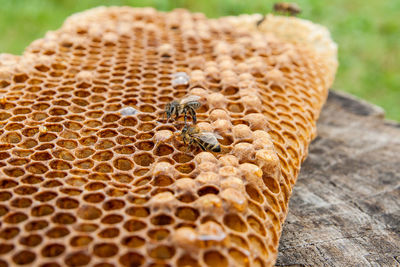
(367, 32)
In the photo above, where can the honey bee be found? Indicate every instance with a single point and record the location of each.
(289, 8)
(259, 22)
(207, 141)
(286, 8)
(186, 105)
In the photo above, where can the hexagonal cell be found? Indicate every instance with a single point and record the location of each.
(24, 257)
(187, 213)
(271, 183)
(145, 127)
(143, 159)
(81, 241)
(235, 222)
(52, 250)
(161, 220)
(145, 145)
(134, 225)
(105, 250)
(215, 259)
(31, 240)
(162, 252)
(162, 180)
(144, 136)
(133, 241)
(89, 212)
(77, 259)
(131, 259)
(208, 190)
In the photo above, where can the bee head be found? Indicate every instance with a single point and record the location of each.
(169, 108)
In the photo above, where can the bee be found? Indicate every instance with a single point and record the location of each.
(186, 105)
(289, 8)
(207, 141)
(259, 22)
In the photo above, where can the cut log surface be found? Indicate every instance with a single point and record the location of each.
(345, 208)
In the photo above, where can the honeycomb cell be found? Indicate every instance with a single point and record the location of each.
(3, 210)
(105, 250)
(271, 184)
(64, 218)
(81, 241)
(208, 190)
(45, 196)
(145, 145)
(257, 245)
(134, 225)
(9, 233)
(24, 257)
(123, 164)
(144, 159)
(77, 259)
(52, 250)
(254, 194)
(42, 210)
(162, 252)
(113, 204)
(185, 168)
(15, 218)
(162, 219)
(5, 248)
(235, 222)
(31, 240)
(57, 232)
(12, 138)
(86, 227)
(214, 259)
(67, 203)
(162, 180)
(132, 259)
(240, 258)
(187, 213)
(12, 172)
(88, 212)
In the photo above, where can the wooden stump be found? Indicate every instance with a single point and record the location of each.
(345, 210)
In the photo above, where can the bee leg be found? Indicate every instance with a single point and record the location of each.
(185, 112)
(165, 116)
(260, 21)
(202, 146)
(189, 145)
(193, 114)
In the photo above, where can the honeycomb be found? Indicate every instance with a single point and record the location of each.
(91, 174)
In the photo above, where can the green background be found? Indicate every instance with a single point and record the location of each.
(367, 32)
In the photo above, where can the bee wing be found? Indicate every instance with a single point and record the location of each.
(218, 136)
(207, 137)
(189, 98)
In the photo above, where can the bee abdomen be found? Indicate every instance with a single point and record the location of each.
(216, 148)
(211, 147)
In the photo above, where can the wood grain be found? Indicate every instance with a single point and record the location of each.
(345, 208)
